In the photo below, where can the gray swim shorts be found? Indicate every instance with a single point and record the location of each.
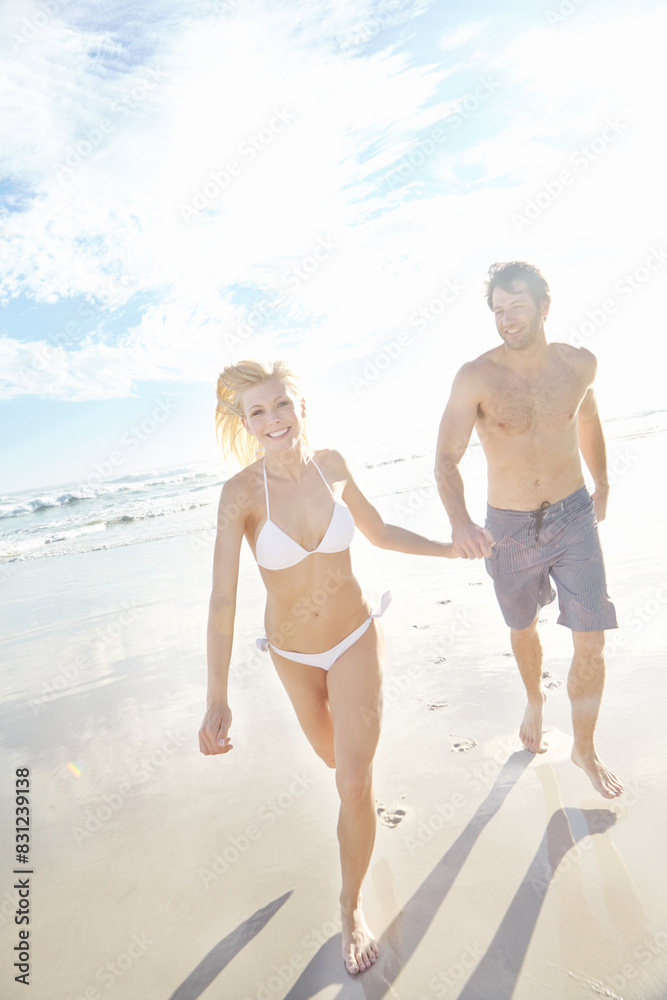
(559, 541)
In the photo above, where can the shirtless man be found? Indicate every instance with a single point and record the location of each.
(534, 409)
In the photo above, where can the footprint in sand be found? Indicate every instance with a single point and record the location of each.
(437, 704)
(390, 817)
(441, 659)
(448, 600)
(549, 681)
(463, 745)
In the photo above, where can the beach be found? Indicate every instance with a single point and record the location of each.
(161, 874)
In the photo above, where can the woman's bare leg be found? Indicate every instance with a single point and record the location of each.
(355, 697)
(307, 690)
(340, 713)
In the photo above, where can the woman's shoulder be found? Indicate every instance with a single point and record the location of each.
(332, 464)
(244, 484)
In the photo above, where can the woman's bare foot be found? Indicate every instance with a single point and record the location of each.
(530, 730)
(360, 948)
(603, 780)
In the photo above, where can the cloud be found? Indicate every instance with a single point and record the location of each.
(463, 34)
(222, 162)
(239, 179)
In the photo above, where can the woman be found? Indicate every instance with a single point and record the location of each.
(298, 509)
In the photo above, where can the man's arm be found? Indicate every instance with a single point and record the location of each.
(594, 451)
(456, 427)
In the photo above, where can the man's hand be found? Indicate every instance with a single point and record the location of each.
(600, 499)
(471, 541)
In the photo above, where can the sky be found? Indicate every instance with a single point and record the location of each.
(186, 185)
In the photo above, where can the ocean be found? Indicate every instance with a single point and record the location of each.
(131, 509)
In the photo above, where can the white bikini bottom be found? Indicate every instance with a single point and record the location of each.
(327, 659)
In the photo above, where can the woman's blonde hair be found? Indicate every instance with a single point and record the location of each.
(233, 382)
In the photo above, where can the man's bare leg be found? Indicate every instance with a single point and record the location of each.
(585, 684)
(527, 650)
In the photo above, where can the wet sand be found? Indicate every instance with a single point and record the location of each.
(158, 873)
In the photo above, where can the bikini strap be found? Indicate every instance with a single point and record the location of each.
(322, 475)
(266, 492)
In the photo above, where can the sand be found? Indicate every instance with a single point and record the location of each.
(157, 873)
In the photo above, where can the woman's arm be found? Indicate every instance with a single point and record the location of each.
(213, 733)
(386, 536)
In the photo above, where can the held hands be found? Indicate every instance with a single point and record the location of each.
(471, 542)
(213, 738)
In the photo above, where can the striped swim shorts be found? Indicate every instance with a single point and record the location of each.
(558, 542)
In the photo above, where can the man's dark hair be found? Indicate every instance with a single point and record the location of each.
(507, 275)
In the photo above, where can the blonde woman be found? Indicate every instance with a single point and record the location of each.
(297, 510)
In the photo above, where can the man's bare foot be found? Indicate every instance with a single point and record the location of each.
(603, 780)
(360, 948)
(530, 730)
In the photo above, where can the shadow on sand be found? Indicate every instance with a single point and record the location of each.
(499, 968)
(496, 974)
(224, 951)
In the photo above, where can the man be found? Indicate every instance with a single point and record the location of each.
(533, 406)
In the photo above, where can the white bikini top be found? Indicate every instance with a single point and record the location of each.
(276, 550)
